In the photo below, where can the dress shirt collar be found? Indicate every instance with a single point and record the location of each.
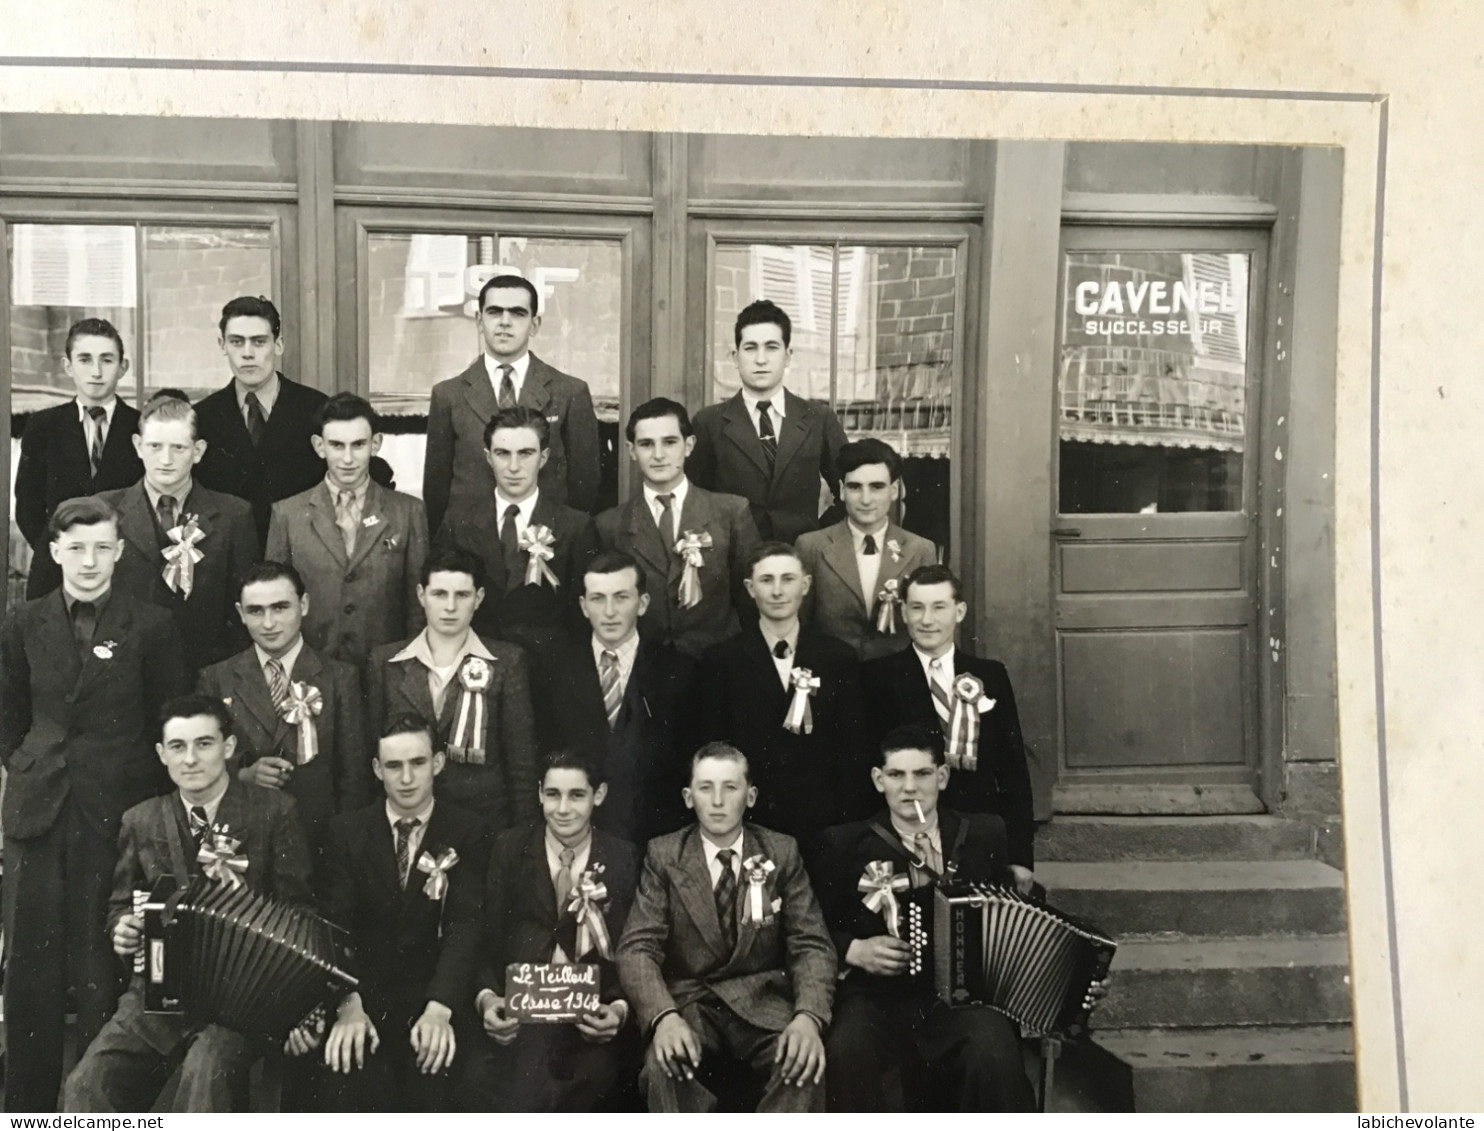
(211, 806)
(82, 411)
(267, 395)
(288, 659)
(425, 814)
(580, 851)
(775, 405)
(527, 507)
(858, 536)
(180, 495)
(625, 651)
(518, 370)
(771, 638)
(359, 492)
(100, 602)
(926, 660)
(712, 849)
(680, 490)
(419, 649)
(908, 830)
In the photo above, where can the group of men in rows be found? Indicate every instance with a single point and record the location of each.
(570, 686)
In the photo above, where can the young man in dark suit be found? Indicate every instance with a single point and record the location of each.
(932, 684)
(475, 691)
(185, 547)
(894, 1045)
(78, 448)
(764, 443)
(83, 671)
(791, 698)
(535, 876)
(625, 700)
(134, 1056)
(404, 877)
(691, 543)
(279, 692)
(258, 428)
(456, 472)
(860, 563)
(531, 603)
(726, 956)
(358, 545)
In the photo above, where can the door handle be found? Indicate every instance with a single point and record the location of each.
(1066, 532)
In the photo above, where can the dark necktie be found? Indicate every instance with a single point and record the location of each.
(507, 386)
(781, 649)
(667, 521)
(608, 681)
(766, 434)
(868, 545)
(256, 421)
(165, 509)
(726, 898)
(405, 828)
(508, 539)
(84, 622)
(95, 451)
(199, 824)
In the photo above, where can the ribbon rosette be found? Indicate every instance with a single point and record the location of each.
(181, 555)
(220, 860)
(969, 702)
(886, 607)
(800, 718)
(436, 869)
(586, 906)
(757, 870)
(467, 744)
(881, 886)
(536, 541)
(302, 704)
(689, 548)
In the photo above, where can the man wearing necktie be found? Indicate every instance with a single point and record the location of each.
(456, 474)
(764, 443)
(83, 671)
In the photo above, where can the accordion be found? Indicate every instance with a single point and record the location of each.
(991, 946)
(235, 957)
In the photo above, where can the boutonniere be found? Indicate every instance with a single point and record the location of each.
(800, 717)
(104, 651)
(757, 909)
(969, 702)
(371, 520)
(881, 886)
(589, 899)
(226, 700)
(436, 869)
(182, 555)
(895, 549)
(689, 548)
(300, 706)
(219, 858)
(537, 541)
(886, 607)
(466, 744)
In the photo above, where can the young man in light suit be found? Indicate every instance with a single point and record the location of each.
(455, 471)
(726, 956)
(358, 546)
(860, 563)
(667, 511)
(764, 443)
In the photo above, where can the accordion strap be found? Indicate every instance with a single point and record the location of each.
(175, 837)
(950, 858)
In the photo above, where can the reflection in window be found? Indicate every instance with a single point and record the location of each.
(1152, 397)
(874, 337)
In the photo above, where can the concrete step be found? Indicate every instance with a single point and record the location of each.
(1202, 898)
(1302, 1068)
(1226, 982)
(1092, 839)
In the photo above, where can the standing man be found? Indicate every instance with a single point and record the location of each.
(475, 692)
(531, 602)
(691, 543)
(933, 684)
(791, 698)
(455, 470)
(358, 545)
(83, 672)
(186, 548)
(766, 444)
(258, 429)
(285, 740)
(78, 448)
(859, 564)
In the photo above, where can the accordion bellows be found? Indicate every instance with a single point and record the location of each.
(238, 958)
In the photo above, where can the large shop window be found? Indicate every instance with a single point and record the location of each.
(422, 295)
(162, 286)
(875, 336)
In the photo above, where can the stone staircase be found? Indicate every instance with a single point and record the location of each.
(1230, 989)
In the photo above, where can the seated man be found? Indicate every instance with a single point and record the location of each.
(404, 877)
(529, 917)
(726, 956)
(131, 1060)
(894, 1044)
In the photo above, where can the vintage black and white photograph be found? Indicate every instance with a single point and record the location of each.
(507, 619)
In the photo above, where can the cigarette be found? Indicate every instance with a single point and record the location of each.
(921, 818)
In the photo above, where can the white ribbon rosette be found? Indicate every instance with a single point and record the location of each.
(537, 541)
(181, 555)
(895, 549)
(300, 707)
(220, 860)
(887, 602)
(757, 871)
(689, 548)
(800, 718)
(586, 906)
(881, 885)
(467, 742)
(436, 869)
(969, 702)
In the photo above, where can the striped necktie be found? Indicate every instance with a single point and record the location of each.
(608, 680)
(278, 683)
(405, 827)
(937, 683)
(95, 451)
(726, 897)
(507, 387)
(766, 433)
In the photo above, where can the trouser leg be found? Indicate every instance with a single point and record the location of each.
(123, 1069)
(215, 1073)
(757, 1049)
(93, 967)
(974, 1057)
(863, 1060)
(661, 1092)
(36, 969)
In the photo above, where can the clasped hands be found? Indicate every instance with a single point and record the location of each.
(800, 1049)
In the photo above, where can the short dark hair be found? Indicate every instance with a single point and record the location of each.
(931, 575)
(862, 453)
(346, 406)
(572, 758)
(194, 706)
(761, 313)
(450, 559)
(408, 722)
(725, 751)
(259, 572)
(911, 736)
(520, 416)
(613, 561)
(770, 550)
(85, 510)
(508, 280)
(251, 306)
(656, 408)
(93, 328)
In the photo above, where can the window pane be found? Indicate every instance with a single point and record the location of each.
(800, 280)
(1152, 397)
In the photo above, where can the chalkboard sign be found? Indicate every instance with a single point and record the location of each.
(551, 991)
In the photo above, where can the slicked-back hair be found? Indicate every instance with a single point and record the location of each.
(931, 575)
(615, 561)
(726, 752)
(863, 453)
(85, 510)
(763, 312)
(499, 282)
(773, 550)
(408, 722)
(260, 572)
(168, 404)
(656, 408)
(346, 406)
(93, 328)
(251, 306)
(519, 416)
(193, 707)
(450, 559)
(911, 736)
(572, 758)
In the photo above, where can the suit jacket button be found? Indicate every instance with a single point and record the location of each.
(350, 609)
(350, 576)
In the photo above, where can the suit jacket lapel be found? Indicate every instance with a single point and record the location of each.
(693, 882)
(739, 429)
(279, 425)
(202, 503)
(57, 642)
(645, 539)
(535, 391)
(368, 534)
(322, 522)
(763, 671)
(839, 556)
(137, 526)
(478, 392)
(414, 679)
(114, 626)
(793, 429)
(251, 686)
(542, 890)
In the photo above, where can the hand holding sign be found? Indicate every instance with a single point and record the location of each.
(551, 991)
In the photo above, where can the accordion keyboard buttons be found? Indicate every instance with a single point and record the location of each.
(917, 938)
